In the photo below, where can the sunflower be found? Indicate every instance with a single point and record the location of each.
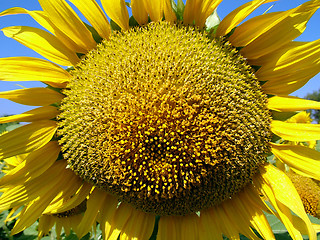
(307, 188)
(161, 121)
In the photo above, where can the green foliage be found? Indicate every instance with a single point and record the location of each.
(178, 8)
(315, 96)
(6, 127)
(114, 26)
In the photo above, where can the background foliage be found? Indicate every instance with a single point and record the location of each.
(316, 97)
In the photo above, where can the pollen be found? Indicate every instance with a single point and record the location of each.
(165, 118)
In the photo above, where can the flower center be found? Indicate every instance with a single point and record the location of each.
(166, 119)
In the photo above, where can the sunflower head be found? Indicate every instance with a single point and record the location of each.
(301, 117)
(160, 114)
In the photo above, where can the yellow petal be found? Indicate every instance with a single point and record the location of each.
(30, 190)
(139, 226)
(188, 226)
(34, 209)
(106, 215)
(287, 84)
(46, 222)
(70, 189)
(207, 8)
(209, 226)
(256, 26)
(167, 228)
(179, 227)
(289, 58)
(33, 96)
(238, 216)
(21, 225)
(59, 199)
(33, 69)
(65, 19)
(282, 33)
(169, 14)
(59, 225)
(316, 227)
(14, 161)
(39, 16)
(238, 15)
(31, 213)
(284, 198)
(67, 204)
(155, 9)
(92, 11)
(10, 216)
(191, 9)
(117, 11)
(303, 159)
(34, 165)
(42, 18)
(296, 131)
(119, 220)
(94, 204)
(43, 43)
(139, 12)
(291, 104)
(37, 114)
(27, 138)
(197, 11)
(246, 206)
(73, 223)
(290, 67)
(226, 224)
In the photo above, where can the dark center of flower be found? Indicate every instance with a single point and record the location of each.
(166, 119)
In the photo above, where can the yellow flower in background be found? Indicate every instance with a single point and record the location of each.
(307, 188)
(300, 117)
(159, 118)
(303, 117)
(309, 192)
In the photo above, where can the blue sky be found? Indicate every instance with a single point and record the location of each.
(10, 48)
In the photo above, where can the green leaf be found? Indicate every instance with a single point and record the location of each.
(114, 26)
(25, 235)
(3, 217)
(174, 6)
(29, 234)
(178, 9)
(155, 229)
(282, 116)
(128, 4)
(133, 22)
(94, 33)
(318, 146)
(276, 225)
(280, 231)
(6, 127)
(13, 126)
